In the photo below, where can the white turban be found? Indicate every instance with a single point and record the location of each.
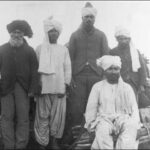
(89, 10)
(50, 24)
(122, 31)
(107, 61)
(46, 62)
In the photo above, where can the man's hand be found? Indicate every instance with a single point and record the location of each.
(138, 134)
(72, 84)
(60, 95)
(90, 129)
(30, 95)
(142, 89)
(67, 90)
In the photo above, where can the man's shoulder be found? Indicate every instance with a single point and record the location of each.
(62, 47)
(99, 32)
(114, 51)
(29, 49)
(98, 84)
(76, 32)
(126, 86)
(4, 47)
(79, 33)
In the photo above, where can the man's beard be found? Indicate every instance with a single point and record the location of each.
(14, 42)
(112, 78)
(88, 26)
(124, 46)
(53, 41)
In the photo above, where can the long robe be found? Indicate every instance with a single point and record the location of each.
(113, 108)
(55, 83)
(50, 109)
(135, 79)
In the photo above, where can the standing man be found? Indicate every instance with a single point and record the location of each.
(85, 46)
(55, 77)
(133, 69)
(18, 69)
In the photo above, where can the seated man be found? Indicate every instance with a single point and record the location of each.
(112, 109)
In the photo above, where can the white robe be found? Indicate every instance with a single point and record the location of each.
(55, 83)
(51, 110)
(109, 102)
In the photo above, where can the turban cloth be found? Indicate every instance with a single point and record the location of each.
(21, 25)
(46, 63)
(121, 31)
(50, 24)
(107, 61)
(89, 10)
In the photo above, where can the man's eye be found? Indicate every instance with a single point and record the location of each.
(110, 69)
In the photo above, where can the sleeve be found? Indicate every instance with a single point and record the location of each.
(33, 72)
(67, 67)
(111, 52)
(37, 51)
(72, 48)
(105, 48)
(0, 60)
(92, 106)
(142, 71)
(0, 70)
(135, 111)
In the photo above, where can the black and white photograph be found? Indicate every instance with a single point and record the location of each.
(74, 75)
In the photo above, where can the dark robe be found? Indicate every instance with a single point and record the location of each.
(135, 79)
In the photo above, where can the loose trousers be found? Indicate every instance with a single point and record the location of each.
(126, 129)
(50, 118)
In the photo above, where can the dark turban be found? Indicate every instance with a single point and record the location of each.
(21, 25)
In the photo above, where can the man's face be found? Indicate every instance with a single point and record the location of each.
(53, 35)
(112, 74)
(88, 21)
(123, 41)
(16, 35)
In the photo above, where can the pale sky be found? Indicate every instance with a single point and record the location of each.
(134, 15)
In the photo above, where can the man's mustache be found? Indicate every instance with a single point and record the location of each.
(16, 38)
(89, 22)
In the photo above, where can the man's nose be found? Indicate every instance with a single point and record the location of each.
(113, 71)
(16, 34)
(88, 18)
